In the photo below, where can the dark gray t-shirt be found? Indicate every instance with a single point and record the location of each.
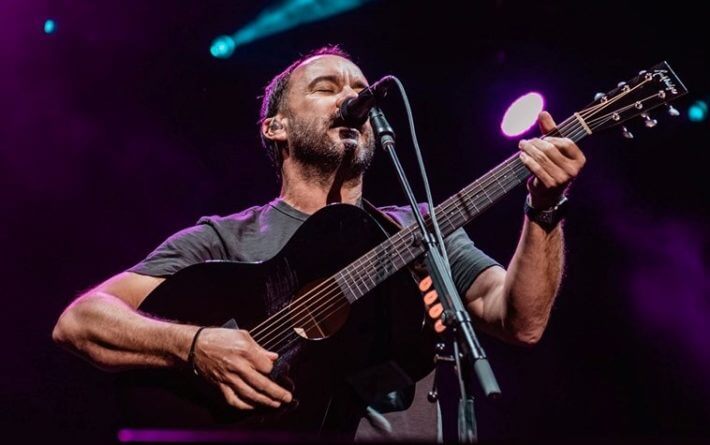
(259, 233)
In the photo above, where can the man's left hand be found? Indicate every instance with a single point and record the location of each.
(553, 161)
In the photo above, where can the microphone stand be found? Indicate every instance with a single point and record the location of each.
(468, 352)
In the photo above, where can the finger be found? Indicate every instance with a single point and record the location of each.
(439, 326)
(250, 394)
(425, 284)
(262, 359)
(567, 147)
(265, 385)
(536, 170)
(430, 297)
(436, 310)
(231, 398)
(271, 355)
(546, 123)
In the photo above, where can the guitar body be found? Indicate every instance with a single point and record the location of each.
(382, 346)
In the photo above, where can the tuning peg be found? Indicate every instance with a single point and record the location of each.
(672, 110)
(626, 133)
(642, 72)
(623, 86)
(648, 121)
(598, 96)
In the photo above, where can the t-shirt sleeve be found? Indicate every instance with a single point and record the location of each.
(189, 246)
(467, 261)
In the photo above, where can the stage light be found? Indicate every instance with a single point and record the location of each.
(222, 47)
(279, 18)
(50, 26)
(522, 114)
(698, 111)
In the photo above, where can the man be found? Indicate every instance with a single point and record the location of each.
(320, 162)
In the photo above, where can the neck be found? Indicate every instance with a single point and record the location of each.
(308, 190)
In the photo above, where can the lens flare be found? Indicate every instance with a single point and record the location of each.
(522, 114)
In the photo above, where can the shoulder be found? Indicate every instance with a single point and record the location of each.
(245, 217)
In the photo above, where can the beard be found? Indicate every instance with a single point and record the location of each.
(311, 146)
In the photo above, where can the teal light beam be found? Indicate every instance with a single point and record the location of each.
(281, 17)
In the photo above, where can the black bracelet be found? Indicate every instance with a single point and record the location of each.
(191, 354)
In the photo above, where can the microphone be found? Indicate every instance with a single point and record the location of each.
(354, 111)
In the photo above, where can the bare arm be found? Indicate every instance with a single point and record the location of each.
(104, 327)
(515, 304)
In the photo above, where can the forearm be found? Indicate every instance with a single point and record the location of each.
(532, 281)
(112, 335)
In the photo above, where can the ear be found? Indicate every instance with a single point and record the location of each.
(274, 128)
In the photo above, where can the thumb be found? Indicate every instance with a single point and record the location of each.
(546, 123)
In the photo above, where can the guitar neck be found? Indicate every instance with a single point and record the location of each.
(365, 273)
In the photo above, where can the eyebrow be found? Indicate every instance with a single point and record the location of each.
(335, 80)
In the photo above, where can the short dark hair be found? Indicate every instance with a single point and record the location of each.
(274, 98)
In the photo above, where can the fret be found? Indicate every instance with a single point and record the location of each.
(345, 286)
(399, 254)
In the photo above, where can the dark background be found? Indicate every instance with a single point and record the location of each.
(120, 129)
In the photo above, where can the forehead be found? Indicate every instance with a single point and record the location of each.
(327, 65)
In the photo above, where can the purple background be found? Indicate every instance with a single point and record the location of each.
(120, 129)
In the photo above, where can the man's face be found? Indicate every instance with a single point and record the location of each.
(316, 138)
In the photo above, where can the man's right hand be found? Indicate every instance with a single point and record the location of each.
(233, 361)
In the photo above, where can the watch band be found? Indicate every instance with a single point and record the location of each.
(547, 218)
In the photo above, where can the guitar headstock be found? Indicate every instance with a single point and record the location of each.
(636, 97)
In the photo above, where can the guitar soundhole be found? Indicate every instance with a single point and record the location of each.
(318, 312)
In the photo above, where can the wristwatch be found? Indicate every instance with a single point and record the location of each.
(547, 218)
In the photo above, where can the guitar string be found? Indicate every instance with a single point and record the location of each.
(326, 292)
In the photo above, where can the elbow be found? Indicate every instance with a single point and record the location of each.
(527, 338)
(69, 332)
(525, 334)
(66, 330)
(72, 328)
